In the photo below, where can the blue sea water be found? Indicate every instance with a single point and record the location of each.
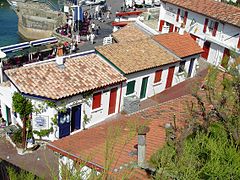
(8, 25)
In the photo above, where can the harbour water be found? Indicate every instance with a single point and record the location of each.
(8, 25)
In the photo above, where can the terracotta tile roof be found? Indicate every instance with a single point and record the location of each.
(216, 10)
(136, 56)
(79, 75)
(90, 145)
(130, 32)
(181, 45)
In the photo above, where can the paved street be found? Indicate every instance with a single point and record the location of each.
(106, 27)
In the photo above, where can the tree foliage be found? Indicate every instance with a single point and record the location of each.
(208, 148)
(22, 105)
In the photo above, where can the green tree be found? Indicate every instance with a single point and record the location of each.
(208, 148)
(24, 108)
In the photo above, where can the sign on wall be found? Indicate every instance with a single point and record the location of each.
(41, 122)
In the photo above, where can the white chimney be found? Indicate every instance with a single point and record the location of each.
(142, 131)
(59, 61)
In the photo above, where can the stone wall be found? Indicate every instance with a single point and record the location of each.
(36, 20)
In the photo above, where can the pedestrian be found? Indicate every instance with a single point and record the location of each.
(92, 36)
(93, 26)
(108, 15)
(97, 29)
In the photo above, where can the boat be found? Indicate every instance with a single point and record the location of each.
(12, 3)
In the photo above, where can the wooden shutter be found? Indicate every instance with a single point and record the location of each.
(185, 17)
(161, 25)
(171, 28)
(205, 25)
(96, 100)
(158, 76)
(178, 14)
(238, 46)
(215, 29)
(130, 87)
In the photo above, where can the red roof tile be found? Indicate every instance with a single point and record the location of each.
(181, 45)
(91, 144)
(214, 9)
(79, 75)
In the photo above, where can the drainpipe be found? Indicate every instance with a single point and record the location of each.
(2, 55)
(142, 131)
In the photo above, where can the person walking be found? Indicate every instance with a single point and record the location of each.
(97, 29)
(92, 36)
(93, 26)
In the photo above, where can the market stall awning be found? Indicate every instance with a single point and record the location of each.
(44, 41)
(15, 47)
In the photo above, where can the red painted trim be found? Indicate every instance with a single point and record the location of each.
(131, 13)
(185, 17)
(120, 98)
(171, 28)
(161, 25)
(77, 159)
(215, 29)
(205, 25)
(121, 24)
(238, 46)
(178, 14)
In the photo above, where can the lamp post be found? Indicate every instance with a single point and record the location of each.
(2, 55)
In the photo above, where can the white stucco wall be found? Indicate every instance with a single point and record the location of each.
(155, 88)
(226, 35)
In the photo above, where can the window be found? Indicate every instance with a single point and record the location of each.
(130, 87)
(181, 67)
(182, 14)
(96, 100)
(158, 76)
(211, 25)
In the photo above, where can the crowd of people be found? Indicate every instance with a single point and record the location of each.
(87, 29)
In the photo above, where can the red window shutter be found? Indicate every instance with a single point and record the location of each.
(178, 14)
(238, 46)
(161, 25)
(176, 29)
(96, 100)
(185, 17)
(158, 76)
(205, 25)
(215, 29)
(171, 28)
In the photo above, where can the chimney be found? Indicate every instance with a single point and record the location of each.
(142, 131)
(59, 57)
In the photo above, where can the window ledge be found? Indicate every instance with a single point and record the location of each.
(97, 110)
(157, 83)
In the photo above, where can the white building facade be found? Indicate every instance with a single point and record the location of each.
(215, 36)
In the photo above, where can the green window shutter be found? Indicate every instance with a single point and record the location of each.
(130, 87)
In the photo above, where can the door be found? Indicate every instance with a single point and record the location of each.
(170, 77)
(112, 101)
(190, 68)
(64, 123)
(76, 118)
(8, 113)
(144, 88)
(225, 58)
(206, 47)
